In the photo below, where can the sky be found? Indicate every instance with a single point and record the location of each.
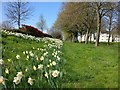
(49, 10)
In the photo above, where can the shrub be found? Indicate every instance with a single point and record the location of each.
(47, 35)
(32, 31)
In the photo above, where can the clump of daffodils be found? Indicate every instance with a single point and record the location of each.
(18, 78)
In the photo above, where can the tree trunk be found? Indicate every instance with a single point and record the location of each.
(75, 37)
(109, 38)
(98, 28)
(110, 23)
(90, 37)
(81, 37)
(87, 36)
(18, 14)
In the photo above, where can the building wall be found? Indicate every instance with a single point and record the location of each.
(103, 38)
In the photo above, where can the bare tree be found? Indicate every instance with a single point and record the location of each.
(7, 25)
(55, 33)
(18, 12)
(42, 23)
(101, 9)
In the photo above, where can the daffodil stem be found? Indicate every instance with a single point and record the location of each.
(38, 79)
(5, 86)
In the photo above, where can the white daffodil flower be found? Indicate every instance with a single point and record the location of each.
(1, 61)
(40, 66)
(19, 75)
(30, 81)
(18, 56)
(17, 80)
(55, 73)
(34, 68)
(31, 54)
(53, 63)
(6, 71)
(23, 52)
(46, 74)
(9, 60)
(42, 58)
(2, 80)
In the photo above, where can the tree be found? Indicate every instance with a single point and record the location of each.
(42, 23)
(76, 18)
(88, 16)
(111, 18)
(118, 21)
(17, 12)
(68, 21)
(101, 9)
(55, 33)
(7, 25)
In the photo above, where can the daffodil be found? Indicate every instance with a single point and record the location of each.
(19, 75)
(40, 66)
(55, 73)
(34, 68)
(26, 69)
(18, 56)
(2, 80)
(17, 80)
(58, 58)
(49, 60)
(37, 57)
(38, 48)
(9, 60)
(30, 81)
(23, 52)
(42, 58)
(31, 54)
(26, 52)
(46, 74)
(53, 63)
(6, 71)
(1, 61)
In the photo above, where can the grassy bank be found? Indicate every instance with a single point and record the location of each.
(30, 62)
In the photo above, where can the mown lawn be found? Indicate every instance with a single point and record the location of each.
(88, 66)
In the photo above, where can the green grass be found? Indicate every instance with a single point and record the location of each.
(88, 66)
(13, 46)
(16, 45)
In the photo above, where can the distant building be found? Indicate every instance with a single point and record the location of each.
(103, 37)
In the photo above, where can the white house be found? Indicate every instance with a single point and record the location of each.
(103, 37)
